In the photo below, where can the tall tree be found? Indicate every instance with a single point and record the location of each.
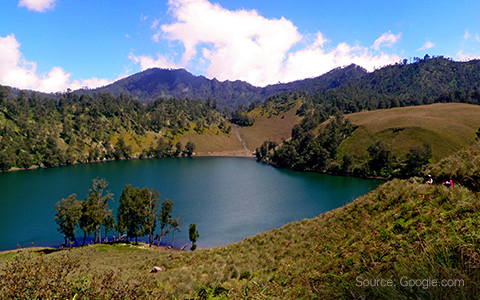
(98, 204)
(68, 215)
(193, 235)
(151, 199)
(128, 213)
(87, 219)
(176, 224)
(138, 212)
(380, 158)
(165, 218)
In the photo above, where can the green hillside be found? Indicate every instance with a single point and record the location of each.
(447, 127)
(394, 142)
(410, 237)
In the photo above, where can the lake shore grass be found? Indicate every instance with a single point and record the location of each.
(404, 229)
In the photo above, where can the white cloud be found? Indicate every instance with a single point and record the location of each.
(386, 40)
(16, 71)
(244, 45)
(155, 24)
(147, 62)
(37, 5)
(426, 46)
(467, 56)
(469, 36)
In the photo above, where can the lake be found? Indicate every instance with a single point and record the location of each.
(229, 198)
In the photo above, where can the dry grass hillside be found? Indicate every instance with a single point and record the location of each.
(267, 126)
(214, 143)
(270, 127)
(446, 127)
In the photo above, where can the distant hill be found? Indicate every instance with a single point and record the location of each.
(179, 83)
(349, 88)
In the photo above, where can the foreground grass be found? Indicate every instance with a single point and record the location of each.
(401, 230)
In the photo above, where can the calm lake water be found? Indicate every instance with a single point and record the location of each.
(228, 198)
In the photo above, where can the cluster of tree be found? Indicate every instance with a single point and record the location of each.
(306, 151)
(44, 132)
(241, 117)
(137, 216)
(382, 162)
(89, 214)
(165, 148)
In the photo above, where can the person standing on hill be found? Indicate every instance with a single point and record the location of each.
(429, 179)
(448, 183)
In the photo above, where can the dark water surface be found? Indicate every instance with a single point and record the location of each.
(228, 198)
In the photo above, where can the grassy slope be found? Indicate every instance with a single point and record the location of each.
(270, 127)
(214, 143)
(265, 127)
(447, 127)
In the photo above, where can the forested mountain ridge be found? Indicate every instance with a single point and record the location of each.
(426, 81)
(416, 83)
(150, 84)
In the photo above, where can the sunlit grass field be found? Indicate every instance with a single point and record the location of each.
(447, 127)
(270, 127)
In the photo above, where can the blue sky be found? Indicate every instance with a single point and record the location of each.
(52, 45)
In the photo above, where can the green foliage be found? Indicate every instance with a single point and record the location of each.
(208, 292)
(165, 218)
(69, 128)
(193, 235)
(380, 158)
(98, 213)
(138, 212)
(305, 151)
(189, 148)
(68, 215)
(266, 150)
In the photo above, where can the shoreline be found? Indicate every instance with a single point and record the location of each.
(111, 243)
(234, 153)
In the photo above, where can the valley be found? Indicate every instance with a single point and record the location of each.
(397, 123)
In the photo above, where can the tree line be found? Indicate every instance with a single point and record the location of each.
(139, 212)
(70, 128)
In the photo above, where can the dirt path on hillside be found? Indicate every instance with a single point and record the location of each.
(237, 134)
